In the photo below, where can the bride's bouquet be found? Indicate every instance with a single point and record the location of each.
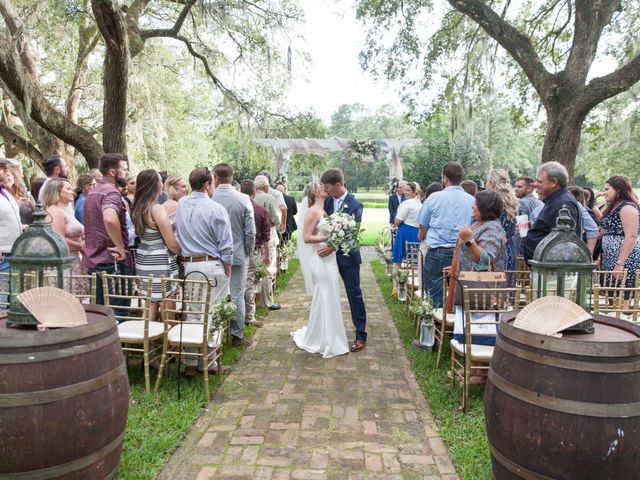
(343, 232)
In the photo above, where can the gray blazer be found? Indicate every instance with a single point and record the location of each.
(243, 226)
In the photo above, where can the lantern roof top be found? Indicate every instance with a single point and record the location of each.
(40, 243)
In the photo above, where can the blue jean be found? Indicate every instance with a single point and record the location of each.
(434, 262)
(4, 283)
(122, 270)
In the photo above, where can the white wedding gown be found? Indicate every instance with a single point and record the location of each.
(324, 333)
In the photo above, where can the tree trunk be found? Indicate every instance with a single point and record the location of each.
(111, 23)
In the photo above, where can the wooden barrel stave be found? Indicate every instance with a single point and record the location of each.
(65, 415)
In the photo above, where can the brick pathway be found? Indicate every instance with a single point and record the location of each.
(287, 414)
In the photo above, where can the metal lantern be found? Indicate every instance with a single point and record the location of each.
(562, 265)
(39, 258)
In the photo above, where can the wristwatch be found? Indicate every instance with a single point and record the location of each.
(469, 242)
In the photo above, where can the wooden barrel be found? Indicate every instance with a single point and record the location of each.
(64, 397)
(565, 408)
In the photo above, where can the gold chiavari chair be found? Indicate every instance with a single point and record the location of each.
(129, 297)
(483, 308)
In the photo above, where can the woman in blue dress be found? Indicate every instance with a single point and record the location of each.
(406, 221)
(498, 181)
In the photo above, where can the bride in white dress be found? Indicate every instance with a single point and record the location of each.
(325, 332)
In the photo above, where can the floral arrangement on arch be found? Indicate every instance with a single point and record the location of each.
(364, 149)
(280, 178)
(392, 186)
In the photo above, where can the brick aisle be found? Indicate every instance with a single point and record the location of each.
(287, 414)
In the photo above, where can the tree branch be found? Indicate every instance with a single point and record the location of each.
(173, 31)
(601, 88)
(591, 16)
(516, 43)
(20, 144)
(16, 29)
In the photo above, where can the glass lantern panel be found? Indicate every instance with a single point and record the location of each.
(36, 246)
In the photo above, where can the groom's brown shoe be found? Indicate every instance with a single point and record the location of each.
(358, 345)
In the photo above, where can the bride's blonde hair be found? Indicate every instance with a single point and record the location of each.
(310, 192)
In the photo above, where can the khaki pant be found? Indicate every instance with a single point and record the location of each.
(266, 292)
(250, 291)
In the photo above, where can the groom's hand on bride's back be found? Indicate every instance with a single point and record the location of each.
(324, 251)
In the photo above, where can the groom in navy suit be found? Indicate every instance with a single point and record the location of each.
(340, 199)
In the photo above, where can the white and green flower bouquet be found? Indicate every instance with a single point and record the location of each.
(343, 232)
(221, 317)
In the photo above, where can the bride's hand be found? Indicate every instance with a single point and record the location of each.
(324, 251)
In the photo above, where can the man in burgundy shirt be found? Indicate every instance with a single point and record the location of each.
(263, 235)
(106, 239)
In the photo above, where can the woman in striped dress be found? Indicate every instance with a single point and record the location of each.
(158, 244)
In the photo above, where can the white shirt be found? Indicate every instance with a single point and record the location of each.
(10, 225)
(408, 212)
(337, 202)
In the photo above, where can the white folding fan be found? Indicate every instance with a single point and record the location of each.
(53, 307)
(550, 315)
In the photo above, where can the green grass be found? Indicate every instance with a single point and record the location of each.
(157, 423)
(464, 435)
(373, 221)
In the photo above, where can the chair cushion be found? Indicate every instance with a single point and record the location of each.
(438, 313)
(132, 331)
(480, 353)
(191, 335)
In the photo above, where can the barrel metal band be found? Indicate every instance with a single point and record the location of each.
(603, 410)
(582, 366)
(56, 394)
(66, 468)
(16, 358)
(516, 469)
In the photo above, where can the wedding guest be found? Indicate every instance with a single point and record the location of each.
(56, 195)
(10, 225)
(470, 187)
(441, 217)
(551, 179)
(431, 188)
(156, 254)
(36, 185)
(106, 238)
(176, 188)
(55, 167)
(206, 242)
(406, 221)
(620, 221)
(22, 197)
(590, 203)
(163, 197)
(395, 199)
(590, 230)
(95, 173)
(280, 203)
(292, 211)
(243, 232)
(498, 181)
(264, 199)
(259, 255)
(85, 184)
(129, 193)
(528, 203)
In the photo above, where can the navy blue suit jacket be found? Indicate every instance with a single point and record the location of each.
(393, 203)
(352, 207)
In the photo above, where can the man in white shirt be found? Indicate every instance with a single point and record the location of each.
(280, 203)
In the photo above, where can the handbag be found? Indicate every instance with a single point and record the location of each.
(488, 279)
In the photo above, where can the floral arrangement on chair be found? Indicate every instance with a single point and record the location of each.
(422, 309)
(401, 276)
(286, 252)
(221, 316)
(261, 272)
(364, 149)
(383, 253)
